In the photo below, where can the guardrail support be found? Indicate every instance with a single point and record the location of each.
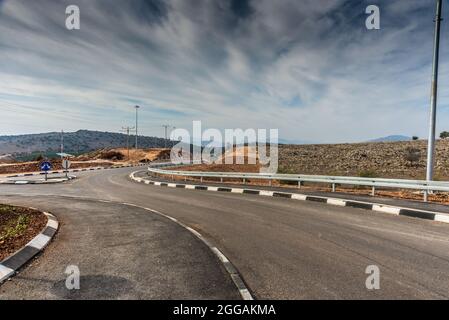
(244, 180)
(333, 187)
(373, 191)
(271, 182)
(426, 195)
(299, 184)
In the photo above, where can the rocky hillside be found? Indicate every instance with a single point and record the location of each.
(405, 159)
(74, 142)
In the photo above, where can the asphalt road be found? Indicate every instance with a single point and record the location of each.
(284, 249)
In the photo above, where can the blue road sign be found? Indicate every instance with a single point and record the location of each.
(45, 166)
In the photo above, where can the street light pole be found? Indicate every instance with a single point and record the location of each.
(137, 108)
(433, 95)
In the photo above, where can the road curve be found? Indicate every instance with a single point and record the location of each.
(122, 252)
(286, 249)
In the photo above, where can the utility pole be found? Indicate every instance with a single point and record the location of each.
(127, 130)
(137, 109)
(62, 142)
(433, 98)
(166, 126)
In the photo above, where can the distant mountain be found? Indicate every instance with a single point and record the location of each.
(74, 142)
(391, 139)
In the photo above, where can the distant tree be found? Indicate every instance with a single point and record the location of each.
(414, 138)
(412, 155)
(444, 135)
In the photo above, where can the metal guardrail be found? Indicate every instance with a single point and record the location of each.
(422, 185)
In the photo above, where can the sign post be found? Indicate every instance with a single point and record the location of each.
(66, 165)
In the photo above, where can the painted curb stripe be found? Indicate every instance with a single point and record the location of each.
(332, 201)
(20, 258)
(360, 205)
(39, 242)
(316, 199)
(441, 218)
(49, 232)
(249, 191)
(386, 209)
(417, 214)
(336, 202)
(282, 195)
(5, 273)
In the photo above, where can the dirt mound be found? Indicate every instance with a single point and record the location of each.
(121, 154)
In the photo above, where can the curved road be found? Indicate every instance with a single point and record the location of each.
(284, 249)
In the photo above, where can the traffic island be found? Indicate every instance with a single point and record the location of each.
(24, 232)
(37, 181)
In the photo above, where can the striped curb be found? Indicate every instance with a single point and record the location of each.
(13, 263)
(73, 170)
(398, 211)
(50, 181)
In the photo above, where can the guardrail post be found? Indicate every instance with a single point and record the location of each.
(271, 182)
(333, 187)
(244, 180)
(426, 193)
(373, 191)
(299, 184)
(201, 179)
(221, 179)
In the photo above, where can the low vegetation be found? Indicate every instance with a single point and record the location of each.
(17, 227)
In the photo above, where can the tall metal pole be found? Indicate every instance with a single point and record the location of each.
(127, 130)
(166, 126)
(433, 98)
(137, 108)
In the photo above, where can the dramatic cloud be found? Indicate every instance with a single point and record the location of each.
(309, 68)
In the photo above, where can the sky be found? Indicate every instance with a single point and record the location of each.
(309, 68)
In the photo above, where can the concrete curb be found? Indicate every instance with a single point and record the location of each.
(10, 265)
(73, 170)
(394, 210)
(50, 181)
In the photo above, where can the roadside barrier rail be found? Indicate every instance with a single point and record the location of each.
(421, 185)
